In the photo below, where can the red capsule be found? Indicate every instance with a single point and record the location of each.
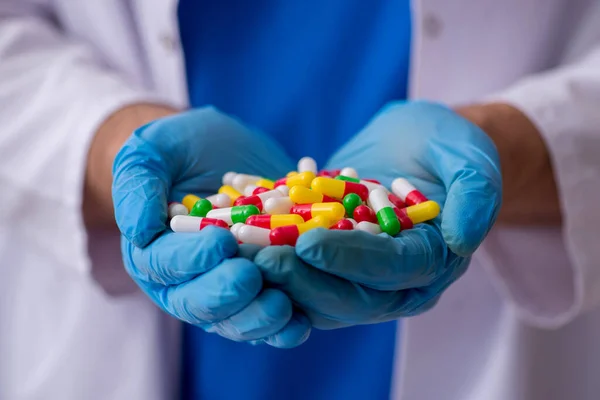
(239, 201)
(284, 235)
(405, 221)
(343, 225)
(260, 190)
(395, 200)
(364, 213)
(249, 200)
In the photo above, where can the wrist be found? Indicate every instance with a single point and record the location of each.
(110, 136)
(529, 189)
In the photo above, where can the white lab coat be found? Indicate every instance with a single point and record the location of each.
(522, 324)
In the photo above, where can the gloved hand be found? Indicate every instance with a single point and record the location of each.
(342, 278)
(201, 278)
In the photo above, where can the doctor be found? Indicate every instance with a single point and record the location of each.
(522, 84)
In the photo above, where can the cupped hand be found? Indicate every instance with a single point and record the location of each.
(342, 278)
(202, 278)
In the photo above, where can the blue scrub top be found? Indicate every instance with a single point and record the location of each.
(310, 74)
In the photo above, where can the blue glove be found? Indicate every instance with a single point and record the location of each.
(203, 278)
(342, 278)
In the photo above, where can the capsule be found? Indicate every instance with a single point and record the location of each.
(288, 235)
(307, 164)
(291, 173)
(350, 202)
(229, 191)
(235, 228)
(333, 211)
(201, 208)
(187, 223)
(175, 208)
(364, 213)
(242, 180)
(395, 200)
(349, 172)
(233, 215)
(227, 179)
(253, 189)
(301, 178)
(384, 211)
(329, 173)
(283, 189)
(371, 184)
(258, 200)
(274, 221)
(421, 212)
(248, 190)
(254, 235)
(370, 227)
(345, 224)
(407, 192)
(265, 183)
(278, 205)
(304, 195)
(405, 222)
(220, 200)
(189, 200)
(338, 188)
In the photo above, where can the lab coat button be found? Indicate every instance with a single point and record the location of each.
(432, 26)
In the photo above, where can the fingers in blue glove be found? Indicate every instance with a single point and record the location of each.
(413, 259)
(193, 278)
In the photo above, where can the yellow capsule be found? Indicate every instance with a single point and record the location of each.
(229, 191)
(291, 173)
(189, 200)
(329, 187)
(303, 195)
(320, 221)
(302, 179)
(422, 212)
(266, 183)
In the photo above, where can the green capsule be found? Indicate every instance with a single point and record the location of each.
(350, 202)
(241, 213)
(388, 221)
(201, 208)
(347, 179)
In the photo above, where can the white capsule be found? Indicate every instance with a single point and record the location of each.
(254, 235)
(242, 180)
(401, 188)
(378, 199)
(176, 209)
(349, 172)
(228, 178)
(249, 189)
(224, 214)
(370, 227)
(235, 229)
(278, 205)
(307, 164)
(283, 189)
(220, 200)
(269, 194)
(353, 222)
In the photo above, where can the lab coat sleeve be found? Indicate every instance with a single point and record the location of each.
(54, 94)
(552, 276)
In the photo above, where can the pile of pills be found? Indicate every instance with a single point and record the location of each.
(266, 212)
